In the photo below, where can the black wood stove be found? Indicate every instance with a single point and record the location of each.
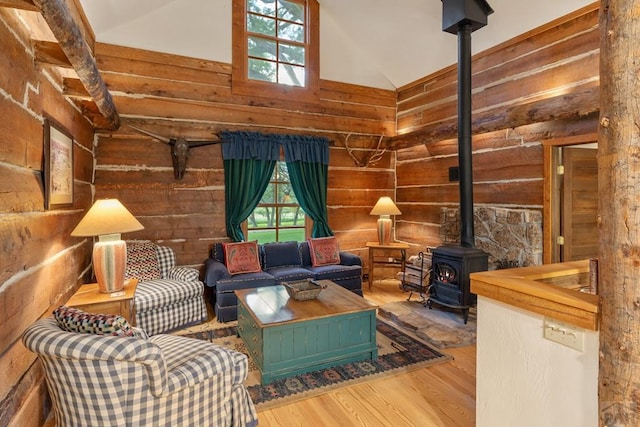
(451, 265)
(450, 268)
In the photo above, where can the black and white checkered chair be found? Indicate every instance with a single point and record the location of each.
(164, 380)
(168, 296)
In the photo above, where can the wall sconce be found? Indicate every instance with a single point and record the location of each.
(106, 219)
(385, 208)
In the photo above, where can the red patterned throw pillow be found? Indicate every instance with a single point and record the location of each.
(142, 261)
(324, 251)
(242, 257)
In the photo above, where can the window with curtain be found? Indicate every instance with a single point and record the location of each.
(278, 217)
(250, 159)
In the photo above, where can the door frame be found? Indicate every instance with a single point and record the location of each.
(551, 220)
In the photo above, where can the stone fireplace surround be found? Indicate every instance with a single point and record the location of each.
(511, 237)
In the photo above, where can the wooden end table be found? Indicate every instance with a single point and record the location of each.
(89, 298)
(287, 337)
(375, 246)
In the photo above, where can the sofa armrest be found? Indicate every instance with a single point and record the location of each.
(184, 274)
(347, 258)
(214, 271)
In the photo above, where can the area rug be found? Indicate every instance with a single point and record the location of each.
(441, 326)
(398, 352)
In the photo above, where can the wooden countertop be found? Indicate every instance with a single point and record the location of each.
(532, 289)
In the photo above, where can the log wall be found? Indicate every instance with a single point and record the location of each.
(176, 96)
(40, 263)
(543, 67)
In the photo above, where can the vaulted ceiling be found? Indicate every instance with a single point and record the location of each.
(378, 43)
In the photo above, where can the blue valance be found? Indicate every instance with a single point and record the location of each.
(249, 145)
(258, 146)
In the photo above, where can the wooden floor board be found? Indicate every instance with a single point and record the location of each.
(440, 396)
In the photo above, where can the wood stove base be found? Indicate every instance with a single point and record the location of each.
(465, 308)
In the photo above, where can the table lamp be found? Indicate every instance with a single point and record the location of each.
(106, 219)
(385, 208)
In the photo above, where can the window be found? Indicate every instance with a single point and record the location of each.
(278, 217)
(275, 48)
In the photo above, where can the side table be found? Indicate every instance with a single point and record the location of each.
(89, 298)
(393, 246)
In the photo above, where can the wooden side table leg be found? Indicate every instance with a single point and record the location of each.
(370, 268)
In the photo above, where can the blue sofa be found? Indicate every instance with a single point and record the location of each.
(280, 262)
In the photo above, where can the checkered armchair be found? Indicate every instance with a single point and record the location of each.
(164, 380)
(167, 296)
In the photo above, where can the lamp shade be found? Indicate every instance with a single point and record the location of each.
(107, 216)
(385, 206)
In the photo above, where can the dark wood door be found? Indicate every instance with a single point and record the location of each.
(579, 204)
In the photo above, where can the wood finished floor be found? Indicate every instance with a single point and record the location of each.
(441, 395)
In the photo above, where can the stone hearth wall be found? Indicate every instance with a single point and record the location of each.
(512, 237)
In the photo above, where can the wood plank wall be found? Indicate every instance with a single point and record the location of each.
(40, 263)
(177, 96)
(560, 57)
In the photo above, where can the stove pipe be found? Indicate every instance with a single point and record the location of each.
(462, 17)
(464, 136)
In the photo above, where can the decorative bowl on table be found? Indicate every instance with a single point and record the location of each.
(303, 290)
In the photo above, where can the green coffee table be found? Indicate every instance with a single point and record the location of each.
(287, 337)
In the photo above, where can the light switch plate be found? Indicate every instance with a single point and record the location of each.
(565, 334)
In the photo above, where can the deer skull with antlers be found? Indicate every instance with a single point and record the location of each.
(180, 148)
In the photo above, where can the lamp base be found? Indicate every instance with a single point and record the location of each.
(384, 230)
(109, 261)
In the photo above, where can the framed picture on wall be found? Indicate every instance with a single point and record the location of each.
(58, 166)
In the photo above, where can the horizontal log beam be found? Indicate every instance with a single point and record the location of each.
(570, 105)
(19, 4)
(74, 46)
(51, 53)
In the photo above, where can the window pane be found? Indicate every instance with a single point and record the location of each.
(264, 7)
(261, 25)
(291, 11)
(262, 236)
(262, 70)
(269, 195)
(291, 75)
(281, 173)
(291, 234)
(291, 217)
(291, 54)
(293, 32)
(262, 217)
(262, 48)
(284, 193)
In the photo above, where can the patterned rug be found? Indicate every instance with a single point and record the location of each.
(440, 326)
(398, 351)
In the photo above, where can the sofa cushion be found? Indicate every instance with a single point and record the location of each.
(242, 257)
(75, 320)
(291, 274)
(280, 254)
(324, 251)
(142, 261)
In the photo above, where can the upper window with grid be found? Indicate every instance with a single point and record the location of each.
(276, 49)
(276, 41)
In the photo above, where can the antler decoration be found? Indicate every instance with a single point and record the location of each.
(179, 149)
(370, 158)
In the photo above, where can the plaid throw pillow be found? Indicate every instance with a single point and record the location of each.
(324, 251)
(142, 261)
(242, 257)
(75, 320)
